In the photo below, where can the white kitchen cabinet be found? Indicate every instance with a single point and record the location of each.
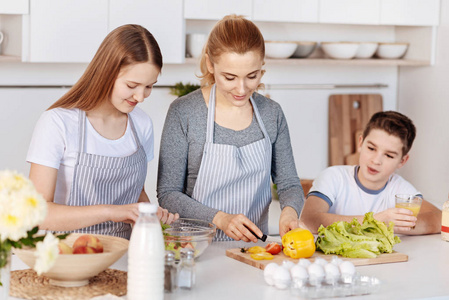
(18, 7)
(164, 19)
(64, 30)
(305, 11)
(349, 11)
(410, 12)
(216, 9)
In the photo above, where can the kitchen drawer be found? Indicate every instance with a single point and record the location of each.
(216, 9)
(305, 11)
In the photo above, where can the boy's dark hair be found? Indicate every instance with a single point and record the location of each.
(393, 123)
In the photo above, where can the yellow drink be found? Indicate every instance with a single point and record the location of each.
(414, 207)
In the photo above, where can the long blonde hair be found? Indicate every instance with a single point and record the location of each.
(231, 34)
(125, 45)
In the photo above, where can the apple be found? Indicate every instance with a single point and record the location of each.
(88, 240)
(83, 250)
(64, 248)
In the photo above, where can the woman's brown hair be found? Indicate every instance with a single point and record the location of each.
(231, 34)
(124, 46)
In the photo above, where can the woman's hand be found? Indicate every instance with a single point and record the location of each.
(288, 220)
(403, 218)
(237, 226)
(165, 216)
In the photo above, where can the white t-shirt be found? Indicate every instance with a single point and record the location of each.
(55, 143)
(340, 187)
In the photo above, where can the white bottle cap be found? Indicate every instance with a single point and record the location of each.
(148, 208)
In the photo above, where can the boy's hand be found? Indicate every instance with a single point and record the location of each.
(403, 218)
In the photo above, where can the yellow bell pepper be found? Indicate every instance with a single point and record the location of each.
(298, 243)
(256, 249)
(262, 255)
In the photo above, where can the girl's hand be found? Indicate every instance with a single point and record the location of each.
(237, 226)
(165, 216)
(127, 213)
(403, 218)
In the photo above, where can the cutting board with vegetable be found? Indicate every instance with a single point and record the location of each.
(385, 258)
(347, 115)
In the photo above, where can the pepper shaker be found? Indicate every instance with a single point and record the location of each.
(170, 272)
(186, 274)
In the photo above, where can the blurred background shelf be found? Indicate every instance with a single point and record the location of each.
(9, 58)
(340, 62)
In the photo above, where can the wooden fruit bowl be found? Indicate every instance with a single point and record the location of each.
(71, 270)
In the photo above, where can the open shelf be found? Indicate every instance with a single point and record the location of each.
(339, 62)
(10, 58)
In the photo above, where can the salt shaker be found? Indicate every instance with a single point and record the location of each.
(170, 272)
(186, 272)
(445, 222)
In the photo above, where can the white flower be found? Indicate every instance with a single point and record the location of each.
(21, 207)
(46, 253)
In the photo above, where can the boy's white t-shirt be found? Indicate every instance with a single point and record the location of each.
(55, 143)
(340, 188)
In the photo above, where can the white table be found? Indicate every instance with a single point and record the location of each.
(424, 276)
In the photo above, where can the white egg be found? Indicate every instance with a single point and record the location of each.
(347, 268)
(268, 272)
(304, 262)
(336, 260)
(320, 261)
(282, 278)
(316, 274)
(316, 271)
(288, 264)
(332, 271)
(299, 272)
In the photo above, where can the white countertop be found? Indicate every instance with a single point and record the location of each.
(424, 276)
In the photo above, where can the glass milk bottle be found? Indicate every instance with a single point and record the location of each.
(445, 222)
(146, 254)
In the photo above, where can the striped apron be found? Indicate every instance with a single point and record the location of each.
(108, 180)
(235, 180)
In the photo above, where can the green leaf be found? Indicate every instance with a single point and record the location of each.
(181, 89)
(62, 236)
(33, 231)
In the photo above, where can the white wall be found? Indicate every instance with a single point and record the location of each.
(423, 96)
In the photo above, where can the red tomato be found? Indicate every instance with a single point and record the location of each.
(273, 248)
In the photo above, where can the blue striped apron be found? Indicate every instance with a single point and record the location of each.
(235, 180)
(108, 180)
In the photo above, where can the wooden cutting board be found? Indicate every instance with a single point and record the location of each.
(279, 258)
(348, 114)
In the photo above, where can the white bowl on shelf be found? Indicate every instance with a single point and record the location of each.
(366, 49)
(304, 49)
(195, 43)
(279, 50)
(340, 50)
(391, 50)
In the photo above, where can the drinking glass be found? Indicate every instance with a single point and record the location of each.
(410, 202)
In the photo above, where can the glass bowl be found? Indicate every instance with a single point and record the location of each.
(189, 233)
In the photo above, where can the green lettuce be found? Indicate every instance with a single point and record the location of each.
(366, 240)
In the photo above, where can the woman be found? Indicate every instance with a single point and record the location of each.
(89, 151)
(221, 143)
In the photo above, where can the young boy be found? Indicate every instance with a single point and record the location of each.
(344, 192)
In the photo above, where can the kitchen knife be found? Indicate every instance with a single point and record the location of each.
(266, 238)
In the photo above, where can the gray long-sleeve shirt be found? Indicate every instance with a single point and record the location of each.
(183, 139)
